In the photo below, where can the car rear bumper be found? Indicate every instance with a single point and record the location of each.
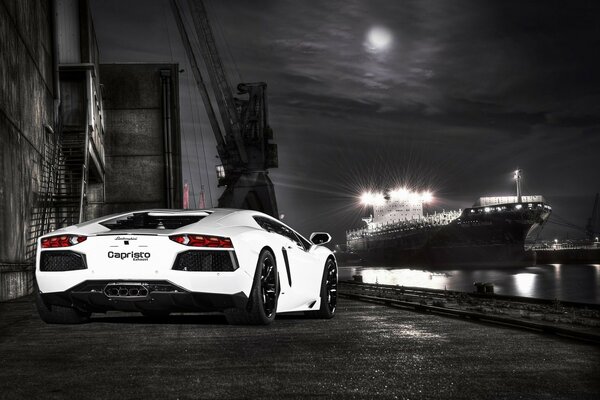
(218, 271)
(96, 296)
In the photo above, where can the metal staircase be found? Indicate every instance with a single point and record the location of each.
(70, 196)
(42, 219)
(63, 185)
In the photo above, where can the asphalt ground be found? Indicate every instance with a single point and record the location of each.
(366, 351)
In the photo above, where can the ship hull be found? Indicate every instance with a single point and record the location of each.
(475, 238)
(493, 255)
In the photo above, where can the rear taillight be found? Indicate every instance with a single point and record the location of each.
(62, 241)
(202, 241)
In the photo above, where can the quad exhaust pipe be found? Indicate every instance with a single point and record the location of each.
(126, 291)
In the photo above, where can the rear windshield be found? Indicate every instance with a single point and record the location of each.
(148, 221)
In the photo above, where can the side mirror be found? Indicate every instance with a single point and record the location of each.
(319, 238)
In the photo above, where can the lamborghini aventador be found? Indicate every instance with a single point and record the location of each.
(243, 263)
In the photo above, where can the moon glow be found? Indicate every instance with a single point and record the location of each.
(379, 38)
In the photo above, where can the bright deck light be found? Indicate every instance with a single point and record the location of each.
(372, 199)
(365, 198)
(414, 198)
(427, 197)
(378, 199)
(399, 194)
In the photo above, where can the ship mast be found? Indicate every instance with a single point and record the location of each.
(518, 180)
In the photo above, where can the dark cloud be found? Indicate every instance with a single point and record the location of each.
(467, 91)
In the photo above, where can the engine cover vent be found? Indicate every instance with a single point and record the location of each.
(206, 260)
(56, 261)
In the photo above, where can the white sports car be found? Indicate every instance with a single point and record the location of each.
(244, 263)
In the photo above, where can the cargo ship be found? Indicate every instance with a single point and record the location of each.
(491, 232)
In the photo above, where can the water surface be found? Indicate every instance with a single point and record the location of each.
(580, 283)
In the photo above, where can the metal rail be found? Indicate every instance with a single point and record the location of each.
(442, 293)
(382, 294)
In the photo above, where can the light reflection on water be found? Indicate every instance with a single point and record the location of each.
(579, 283)
(524, 284)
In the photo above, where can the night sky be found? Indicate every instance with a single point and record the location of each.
(447, 96)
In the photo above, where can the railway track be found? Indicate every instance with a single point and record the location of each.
(540, 315)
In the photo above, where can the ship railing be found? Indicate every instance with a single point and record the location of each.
(492, 201)
(508, 207)
(430, 220)
(565, 246)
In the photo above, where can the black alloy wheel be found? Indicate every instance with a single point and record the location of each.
(328, 292)
(262, 301)
(331, 286)
(268, 285)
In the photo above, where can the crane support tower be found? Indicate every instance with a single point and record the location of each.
(244, 139)
(592, 229)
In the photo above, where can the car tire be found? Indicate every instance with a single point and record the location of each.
(53, 314)
(262, 302)
(328, 292)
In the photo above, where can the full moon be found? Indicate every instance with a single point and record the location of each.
(379, 38)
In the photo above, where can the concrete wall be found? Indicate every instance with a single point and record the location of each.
(26, 104)
(134, 139)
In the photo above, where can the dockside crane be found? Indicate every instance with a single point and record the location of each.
(244, 139)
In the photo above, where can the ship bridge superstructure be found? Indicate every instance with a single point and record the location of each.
(394, 206)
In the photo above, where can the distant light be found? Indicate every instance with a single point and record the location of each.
(555, 240)
(487, 209)
(399, 194)
(519, 206)
(517, 174)
(378, 199)
(427, 197)
(365, 198)
(379, 38)
(220, 172)
(372, 199)
(414, 198)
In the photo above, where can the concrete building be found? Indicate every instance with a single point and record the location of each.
(64, 156)
(143, 161)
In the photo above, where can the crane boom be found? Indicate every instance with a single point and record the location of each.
(245, 144)
(187, 45)
(218, 79)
